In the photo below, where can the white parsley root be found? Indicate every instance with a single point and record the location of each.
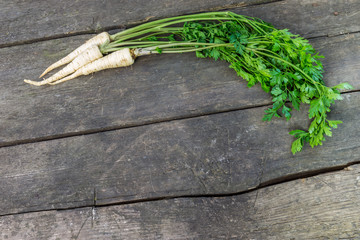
(89, 55)
(122, 58)
(97, 40)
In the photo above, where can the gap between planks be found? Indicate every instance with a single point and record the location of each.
(125, 126)
(130, 125)
(118, 28)
(273, 182)
(123, 27)
(129, 25)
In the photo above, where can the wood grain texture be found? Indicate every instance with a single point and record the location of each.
(215, 154)
(53, 18)
(326, 206)
(155, 88)
(310, 18)
(202, 155)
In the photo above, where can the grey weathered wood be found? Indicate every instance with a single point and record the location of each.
(342, 59)
(54, 18)
(155, 88)
(308, 17)
(320, 207)
(215, 154)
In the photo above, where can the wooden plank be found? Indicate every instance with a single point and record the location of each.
(215, 154)
(326, 206)
(154, 89)
(53, 18)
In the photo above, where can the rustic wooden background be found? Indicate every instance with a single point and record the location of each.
(174, 146)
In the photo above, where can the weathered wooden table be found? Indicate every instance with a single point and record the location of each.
(174, 146)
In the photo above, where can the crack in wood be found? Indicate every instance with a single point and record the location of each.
(263, 162)
(277, 181)
(93, 209)
(82, 226)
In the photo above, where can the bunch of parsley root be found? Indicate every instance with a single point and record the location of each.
(285, 65)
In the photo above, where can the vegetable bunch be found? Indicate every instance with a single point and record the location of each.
(285, 65)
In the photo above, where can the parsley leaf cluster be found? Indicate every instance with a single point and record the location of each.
(285, 65)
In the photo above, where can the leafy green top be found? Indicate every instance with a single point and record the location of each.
(285, 65)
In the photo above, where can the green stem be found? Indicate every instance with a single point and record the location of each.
(157, 22)
(181, 44)
(215, 16)
(176, 50)
(159, 27)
